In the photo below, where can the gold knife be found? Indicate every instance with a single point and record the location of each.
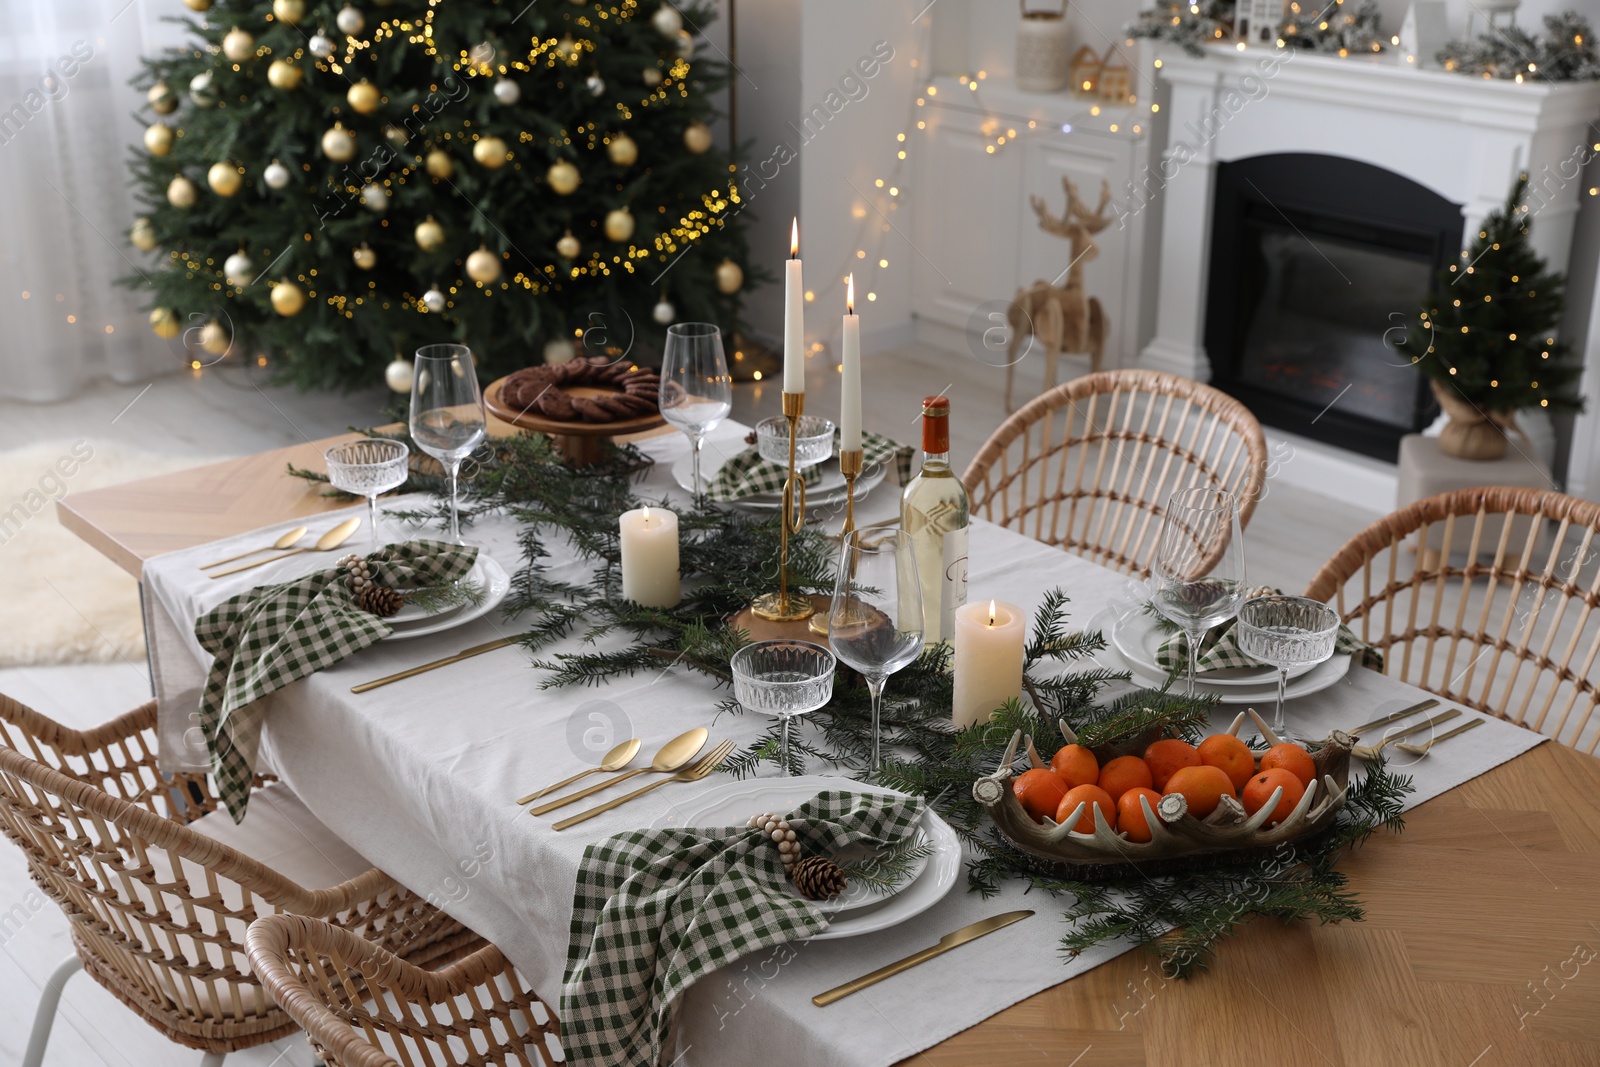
(466, 653)
(946, 943)
(1387, 719)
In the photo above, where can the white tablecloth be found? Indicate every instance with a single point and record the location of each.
(420, 776)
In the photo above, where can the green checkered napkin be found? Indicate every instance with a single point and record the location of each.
(275, 634)
(655, 910)
(747, 474)
(1219, 649)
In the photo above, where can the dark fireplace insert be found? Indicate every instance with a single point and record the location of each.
(1317, 265)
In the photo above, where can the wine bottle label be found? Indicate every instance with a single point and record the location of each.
(953, 584)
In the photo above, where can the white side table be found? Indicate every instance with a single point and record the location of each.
(1426, 471)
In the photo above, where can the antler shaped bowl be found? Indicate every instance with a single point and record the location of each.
(1174, 833)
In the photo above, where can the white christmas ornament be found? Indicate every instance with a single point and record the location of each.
(433, 300)
(238, 45)
(339, 144)
(320, 45)
(697, 137)
(239, 269)
(200, 89)
(667, 21)
(350, 20)
(375, 199)
(651, 76)
(181, 192)
(276, 175)
(567, 246)
(397, 376)
(482, 54)
(664, 312)
(595, 84)
(560, 350)
(507, 91)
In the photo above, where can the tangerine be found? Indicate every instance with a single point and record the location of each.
(1258, 791)
(1292, 758)
(1094, 797)
(1076, 765)
(1167, 755)
(1130, 815)
(1201, 786)
(1231, 755)
(1124, 773)
(1039, 791)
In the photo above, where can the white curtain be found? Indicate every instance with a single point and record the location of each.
(66, 121)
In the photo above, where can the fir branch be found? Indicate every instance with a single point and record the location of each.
(886, 870)
(433, 599)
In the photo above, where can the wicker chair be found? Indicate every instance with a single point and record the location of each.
(363, 1006)
(1491, 604)
(158, 909)
(1090, 465)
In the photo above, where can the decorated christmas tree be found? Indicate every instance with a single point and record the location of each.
(1487, 337)
(330, 185)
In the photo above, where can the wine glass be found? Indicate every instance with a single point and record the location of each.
(875, 620)
(368, 467)
(696, 388)
(1286, 631)
(447, 420)
(783, 678)
(1199, 573)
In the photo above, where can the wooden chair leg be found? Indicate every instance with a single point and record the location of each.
(45, 1017)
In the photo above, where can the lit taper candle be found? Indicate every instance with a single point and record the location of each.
(794, 318)
(850, 386)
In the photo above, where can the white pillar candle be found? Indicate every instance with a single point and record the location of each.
(989, 644)
(650, 557)
(850, 385)
(794, 318)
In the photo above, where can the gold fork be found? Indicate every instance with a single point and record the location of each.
(692, 773)
(1371, 752)
(1422, 750)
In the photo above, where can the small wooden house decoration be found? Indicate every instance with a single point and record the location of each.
(1257, 21)
(1116, 78)
(1086, 71)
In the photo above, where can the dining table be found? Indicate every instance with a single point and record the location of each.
(1481, 918)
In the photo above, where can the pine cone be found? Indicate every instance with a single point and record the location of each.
(818, 878)
(380, 600)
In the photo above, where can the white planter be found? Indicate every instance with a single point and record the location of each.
(1043, 55)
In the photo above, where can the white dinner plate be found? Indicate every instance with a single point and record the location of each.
(828, 492)
(734, 803)
(1138, 637)
(496, 585)
(411, 614)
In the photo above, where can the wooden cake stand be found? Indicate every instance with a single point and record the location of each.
(579, 443)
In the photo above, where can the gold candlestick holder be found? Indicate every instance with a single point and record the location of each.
(782, 606)
(850, 464)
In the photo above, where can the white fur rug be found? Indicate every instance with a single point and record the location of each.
(60, 600)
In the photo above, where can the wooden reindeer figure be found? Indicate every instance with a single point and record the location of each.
(1063, 318)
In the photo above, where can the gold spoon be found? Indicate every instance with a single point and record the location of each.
(286, 541)
(326, 543)
(615, 760)
(673, 755)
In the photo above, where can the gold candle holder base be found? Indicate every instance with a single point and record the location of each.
(850, 464)
(781, 606)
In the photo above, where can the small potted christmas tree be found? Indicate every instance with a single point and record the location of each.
(1487, 337)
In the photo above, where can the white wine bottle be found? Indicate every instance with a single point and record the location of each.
(934, 511)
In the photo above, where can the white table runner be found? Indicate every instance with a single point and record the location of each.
(421, 777)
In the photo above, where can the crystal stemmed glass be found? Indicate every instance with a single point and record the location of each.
(783, 678)
(1286, 631)
(1198, 577)
(696, 388)
(368, 467)
(875, 620)
(447, 419)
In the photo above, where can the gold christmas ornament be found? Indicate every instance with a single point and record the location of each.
(730, 276)
(396, 135)
(181, 192)
(622, 150)
(491, 152)
(214, 338)
(198, 5)
(163, 101)
(429, 235)
(158, 139)
(288, 298)
(143, 234)
(238, 45)
(563, 177)
(667, 21)
(364, 257)
(164, 323)
(440, 165)
(619, 224)
(363, 97)
(339, 144)
(374, 198)
(282, 74)
(223, 178)
(567, 246)
(697, 137)
(567, 48)
(289, 11)
(652, 76)
(483, 266)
